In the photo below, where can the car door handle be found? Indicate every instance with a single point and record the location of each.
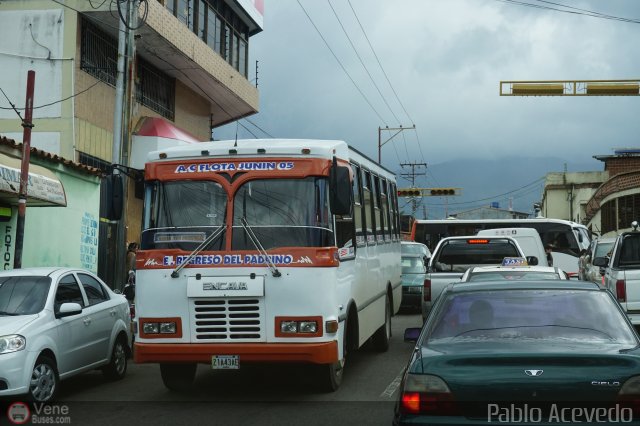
(87, 321)
(112, 312)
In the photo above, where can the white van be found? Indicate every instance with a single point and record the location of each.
(528, 239)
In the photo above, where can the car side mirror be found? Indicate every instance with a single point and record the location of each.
(600, 261)
(411, 334)
(532, 260)
(68, 309)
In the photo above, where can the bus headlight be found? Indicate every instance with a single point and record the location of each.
(298, 326)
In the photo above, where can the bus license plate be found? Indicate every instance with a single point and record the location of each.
(225, 362)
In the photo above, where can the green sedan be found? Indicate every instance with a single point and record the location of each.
(536, 352)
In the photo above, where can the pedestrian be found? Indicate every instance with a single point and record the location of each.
(131, 258)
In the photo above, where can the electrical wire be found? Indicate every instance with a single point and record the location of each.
(50, 103)
(344, 30)
(258, 127)
(575, 11)
(340, 63)
(13, 107)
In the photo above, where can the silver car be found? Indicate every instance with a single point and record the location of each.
(598, 248)
(56, 323)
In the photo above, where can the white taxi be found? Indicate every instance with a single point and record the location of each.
(513, 269)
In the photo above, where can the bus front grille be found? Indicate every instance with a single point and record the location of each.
(226, 320)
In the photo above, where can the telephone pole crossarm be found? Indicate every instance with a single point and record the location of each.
(380, 143)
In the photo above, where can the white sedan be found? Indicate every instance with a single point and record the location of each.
(56, 323)
(513, 273)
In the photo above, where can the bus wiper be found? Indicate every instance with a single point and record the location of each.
(211, 238)
(256, 242)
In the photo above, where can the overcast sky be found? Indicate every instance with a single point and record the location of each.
(445, 59)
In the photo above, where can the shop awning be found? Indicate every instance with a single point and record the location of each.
(44, 189)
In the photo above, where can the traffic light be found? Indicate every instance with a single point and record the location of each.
(409, 192)
(443, 191)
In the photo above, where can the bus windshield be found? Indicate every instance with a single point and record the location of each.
(182, 214)
(283, 213)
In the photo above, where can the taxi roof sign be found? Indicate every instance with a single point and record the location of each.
(514, 261)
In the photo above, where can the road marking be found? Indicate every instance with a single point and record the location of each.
(393, 386)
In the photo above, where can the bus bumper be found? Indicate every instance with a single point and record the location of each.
(313, 353)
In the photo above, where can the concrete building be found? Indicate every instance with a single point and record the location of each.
(616, 203)
(565, 194)
(191, 70)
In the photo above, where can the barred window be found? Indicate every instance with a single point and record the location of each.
(91, 161)
(98, 53)
(98, 57)
(608, 216)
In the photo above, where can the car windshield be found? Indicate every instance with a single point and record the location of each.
(413, 265)
(512, 276)
(182, 214)
(530, 315)
(23, 295)
(283, 213)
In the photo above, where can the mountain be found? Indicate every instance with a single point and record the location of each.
(519, 180)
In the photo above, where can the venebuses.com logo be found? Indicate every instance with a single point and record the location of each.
(19, 413)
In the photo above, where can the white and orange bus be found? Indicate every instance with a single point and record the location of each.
(265, 251)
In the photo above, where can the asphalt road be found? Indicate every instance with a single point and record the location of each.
(254, 395)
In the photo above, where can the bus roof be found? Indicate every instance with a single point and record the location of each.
(269, 147)
(505, 221)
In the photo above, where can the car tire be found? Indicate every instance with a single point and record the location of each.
(380, 338)
(45, 381)
(117, 367)
(178, 377)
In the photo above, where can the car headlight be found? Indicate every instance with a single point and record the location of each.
(12, 343)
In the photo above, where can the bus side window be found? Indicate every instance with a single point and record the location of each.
(368, 206)
(380, 218)
(384, 205)
(375, 190)
(358, 213)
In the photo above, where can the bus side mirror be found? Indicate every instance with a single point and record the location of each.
(339, 190)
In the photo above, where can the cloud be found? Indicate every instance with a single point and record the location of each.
(445, 59)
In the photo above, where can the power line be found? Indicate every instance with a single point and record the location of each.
(258, 127)
(50, 103)
(378, 60)
(574, 11)
(495, 196)
(384, 99)
(340, 63)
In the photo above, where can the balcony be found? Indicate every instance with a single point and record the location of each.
(170, 46)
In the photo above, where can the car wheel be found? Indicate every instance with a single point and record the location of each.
(117, 367)
(44, 380)
(380, 338)
(178, 377)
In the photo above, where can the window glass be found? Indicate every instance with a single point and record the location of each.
(213, 30)
(531, 317)
(182, 11)
(202, 19)
(377, 211)
(358, 213)
(235, 48)
(93, 289)
(181, 214)
(68, 291)
(23, 295)
(242, 57)
(228, 41)
(368, 206)
(384, 207)
(283, 213)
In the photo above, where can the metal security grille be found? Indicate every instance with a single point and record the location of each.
(98, 57)
(228, 320)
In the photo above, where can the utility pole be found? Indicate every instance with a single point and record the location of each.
(125, 89)
(387, 128)
(27, 124)
(411, 177)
